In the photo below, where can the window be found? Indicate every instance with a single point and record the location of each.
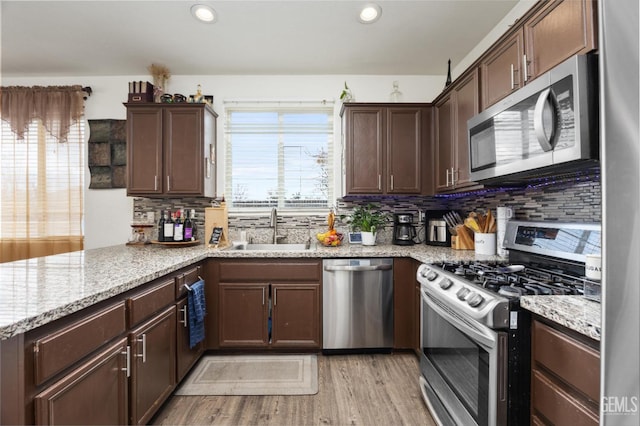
(41, 192)
(279, 157)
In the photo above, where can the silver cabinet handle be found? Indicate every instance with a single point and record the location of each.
(127, 355)
(392, 182)
(185, 319)
(379, 181)
(275, 296)
(545, 141)
(155, 183)
(263, 296)
(168, 184)
(143, 340)
(447, 173)
(525, 67)
(513, 78)
(453, 177)
(358, 268)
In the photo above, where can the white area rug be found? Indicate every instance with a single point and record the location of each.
(253, 375)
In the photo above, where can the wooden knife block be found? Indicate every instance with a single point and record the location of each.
(464, 239)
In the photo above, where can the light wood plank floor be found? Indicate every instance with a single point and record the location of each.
(353, 390)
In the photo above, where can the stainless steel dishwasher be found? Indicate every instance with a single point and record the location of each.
(357, 305)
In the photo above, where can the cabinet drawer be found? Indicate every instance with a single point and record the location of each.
(557, 406)
(144, 304)
(187, 277)
(572, 361)
(60, 349)
(282, 270)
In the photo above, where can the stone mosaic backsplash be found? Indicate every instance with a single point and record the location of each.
(573, 200)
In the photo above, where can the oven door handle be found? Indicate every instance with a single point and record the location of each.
(425, 398)
(480, 334)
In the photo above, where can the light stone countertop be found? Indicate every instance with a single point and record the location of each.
(37, 291)
(573, 312)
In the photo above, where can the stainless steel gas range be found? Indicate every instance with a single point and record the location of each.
(475, 338)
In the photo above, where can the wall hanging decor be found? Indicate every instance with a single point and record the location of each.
(107, 153)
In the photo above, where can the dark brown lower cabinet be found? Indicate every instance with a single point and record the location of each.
(404, 309)
(244, 310)
(565, 377)
(296, 315)
(186, 357)
(153, 368)
(95, 392)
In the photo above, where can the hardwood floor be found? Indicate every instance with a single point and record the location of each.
(353, 390)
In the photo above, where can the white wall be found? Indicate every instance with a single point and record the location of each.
(108, 212)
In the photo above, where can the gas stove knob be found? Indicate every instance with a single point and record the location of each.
(445, 283)
(462, 293)
(474, 299)
(430, 275)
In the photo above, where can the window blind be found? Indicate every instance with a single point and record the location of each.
(279, 156)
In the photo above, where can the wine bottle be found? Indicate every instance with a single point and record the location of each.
(178, 228)
(168, 227)
(194, 226)
(161, 226)
(188, 227)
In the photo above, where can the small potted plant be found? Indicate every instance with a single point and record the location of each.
(346, 95)
(367, 219)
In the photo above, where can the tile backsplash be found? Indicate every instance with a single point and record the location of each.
(576, 199)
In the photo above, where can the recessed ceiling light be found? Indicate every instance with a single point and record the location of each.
(370, 13)
(203, 13)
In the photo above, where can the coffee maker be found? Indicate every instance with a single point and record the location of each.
(435, 228)
(403, 230)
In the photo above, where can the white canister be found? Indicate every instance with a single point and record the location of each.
(485, 243)
(593, 267)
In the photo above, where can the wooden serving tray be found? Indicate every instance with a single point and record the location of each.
(176, 243)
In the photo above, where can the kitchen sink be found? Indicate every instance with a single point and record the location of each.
(273, 247)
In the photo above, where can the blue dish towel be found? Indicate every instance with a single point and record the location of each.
(196, 308)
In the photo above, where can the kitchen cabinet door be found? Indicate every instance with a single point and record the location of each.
(501, 69)
(404, 150)
(171, 150)
(364, 149)
(153, 364)
(444, 143)
(561, 29)
(467, 104)
(243, 314)
(144, 151)
(186, 357)
(296, 315)
(95, 392)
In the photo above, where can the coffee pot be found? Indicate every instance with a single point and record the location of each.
(403, 230)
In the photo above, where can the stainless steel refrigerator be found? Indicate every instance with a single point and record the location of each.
(620, 150)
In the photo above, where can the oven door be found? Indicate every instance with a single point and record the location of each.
(464, 365)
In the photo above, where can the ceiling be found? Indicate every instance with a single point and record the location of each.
(83, 38)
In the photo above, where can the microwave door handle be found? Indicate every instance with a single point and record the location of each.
(538, 123)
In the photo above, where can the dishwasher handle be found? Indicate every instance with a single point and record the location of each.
(358, 268)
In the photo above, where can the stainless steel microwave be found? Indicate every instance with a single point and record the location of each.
(547, 128)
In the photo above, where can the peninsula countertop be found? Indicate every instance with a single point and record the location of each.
(37, 291)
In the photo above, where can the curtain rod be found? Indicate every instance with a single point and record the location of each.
(88, 90)
(279, 101)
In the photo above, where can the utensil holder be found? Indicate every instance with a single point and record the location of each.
(485, 243)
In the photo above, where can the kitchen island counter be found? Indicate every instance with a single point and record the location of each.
(37, 291)
(573, 312)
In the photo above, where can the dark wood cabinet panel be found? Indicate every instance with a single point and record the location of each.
(452, 142)
(558, 31)
(501, 69)
(364, 146)
(62, 348)
(296, 315)
(95, 392)
(404, 306)
(565, 377)
(143, 304)
(387, 148)
(153, 364)
(243, 314)
(186, 356)
(170, 150)
(261, 270)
